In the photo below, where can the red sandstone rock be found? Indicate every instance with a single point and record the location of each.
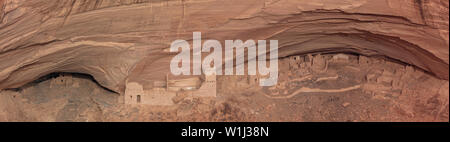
(119, 40)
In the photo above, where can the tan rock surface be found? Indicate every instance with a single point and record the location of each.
(116, 40)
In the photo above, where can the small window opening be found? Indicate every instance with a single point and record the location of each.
(138, 98)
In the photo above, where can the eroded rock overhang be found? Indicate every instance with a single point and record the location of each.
(115, 41)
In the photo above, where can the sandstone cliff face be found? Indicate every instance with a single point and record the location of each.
(120, 40)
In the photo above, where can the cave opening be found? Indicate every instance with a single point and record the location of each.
(60, 96)
(330, 53)
(61, 78)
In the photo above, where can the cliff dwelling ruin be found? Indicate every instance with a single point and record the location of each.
(163, 93)
(346, 60)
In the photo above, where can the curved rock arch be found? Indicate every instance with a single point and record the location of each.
(115, 41)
